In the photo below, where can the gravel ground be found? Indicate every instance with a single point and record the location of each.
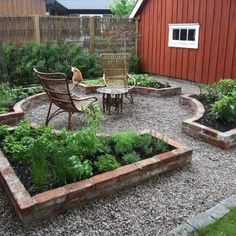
(154, 207)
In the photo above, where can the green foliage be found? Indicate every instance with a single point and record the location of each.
(56, 159)
(94, 82)
(122, 8)
(106, 163)
(144, 143)
(159, 145)
(3, 131)
(71, 169)
(223, 96)
(222, 227)
(224, 108)
(131, 157)
(223, 87)
(145, 80)
(48, 57)
(9, 96)
(124, 142)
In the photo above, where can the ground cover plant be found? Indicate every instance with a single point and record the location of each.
(219, 101)
(225, 226)
(143, 80)
(19, 61)
(44, 159)
(9, 96)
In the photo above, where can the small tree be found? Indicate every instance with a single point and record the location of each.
(123, 8)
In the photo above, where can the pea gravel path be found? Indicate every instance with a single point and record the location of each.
(151, 208)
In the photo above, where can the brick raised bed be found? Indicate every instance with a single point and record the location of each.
(171, 91)
(21, 107)
(42, 205)
(190, 126)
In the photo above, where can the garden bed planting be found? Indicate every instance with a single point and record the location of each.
(197, 126)
(145, 85)
(28, 208)
(15, 101)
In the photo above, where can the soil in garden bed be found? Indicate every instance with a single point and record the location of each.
(23, 171)
(209, 120)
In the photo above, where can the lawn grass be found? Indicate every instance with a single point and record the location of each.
(225, 226)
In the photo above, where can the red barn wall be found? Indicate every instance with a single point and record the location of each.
(215, 57)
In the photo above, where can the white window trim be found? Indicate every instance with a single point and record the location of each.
(180, 43)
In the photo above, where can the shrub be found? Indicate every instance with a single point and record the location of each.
(124, 142)
(224, 108)
(106, 163)
(131, 157)
(160, 145)
(51, 57)
(144, 142)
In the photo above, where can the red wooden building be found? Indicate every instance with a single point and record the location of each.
(188, 39)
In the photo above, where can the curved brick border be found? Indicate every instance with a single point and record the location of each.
(190, 227)
(171, 91)
(190, 126)
(60, 199)
(20, 108)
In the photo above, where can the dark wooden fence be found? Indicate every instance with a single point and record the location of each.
(95, 33)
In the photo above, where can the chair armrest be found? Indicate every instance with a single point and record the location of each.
(133, 79)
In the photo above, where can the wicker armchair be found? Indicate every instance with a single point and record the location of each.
(115, 71)
(57, 88)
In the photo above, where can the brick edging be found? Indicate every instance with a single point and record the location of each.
(20, 108)
(57, 200)
(203, 219)
(170, 91)
(190, 126)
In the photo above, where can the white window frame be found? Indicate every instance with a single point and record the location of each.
(184, 43)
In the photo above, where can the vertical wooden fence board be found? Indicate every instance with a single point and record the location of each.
(159, 43)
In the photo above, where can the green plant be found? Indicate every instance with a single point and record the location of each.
(224, 108)
(78, 170)
(106, 163)
(94, 82)
(124, 142)
(160, 145)
(131, 157)
(223, 87)
(122, 7)
(3, 131)
(144, 142)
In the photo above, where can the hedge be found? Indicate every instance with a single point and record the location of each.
(18, 61)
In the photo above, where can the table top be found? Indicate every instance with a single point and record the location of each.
(112, 91)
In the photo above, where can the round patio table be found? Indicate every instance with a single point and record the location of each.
(112, 96)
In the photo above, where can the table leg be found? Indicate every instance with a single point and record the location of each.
(121, 103)
(103, 102)
(109, 103)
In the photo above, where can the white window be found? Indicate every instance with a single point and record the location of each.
(183, 35)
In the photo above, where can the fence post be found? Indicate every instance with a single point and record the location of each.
(36, 29)
(92, 35)
(136, 35)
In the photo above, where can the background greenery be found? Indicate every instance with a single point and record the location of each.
(18, 61)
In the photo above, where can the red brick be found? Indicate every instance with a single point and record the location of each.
(24, 203)
(166, 157)
(79, 189)
(51, 197)
(148, 164)
(126, 172)
(104, 180)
